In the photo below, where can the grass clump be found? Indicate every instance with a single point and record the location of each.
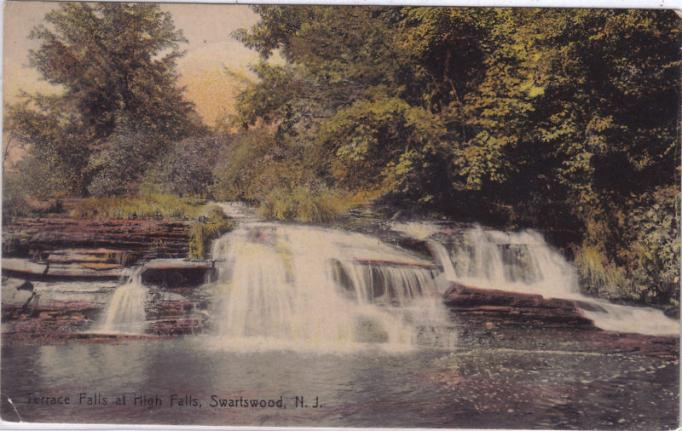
(152, 206)
(207, 228)
(598, 275)
(303, 204)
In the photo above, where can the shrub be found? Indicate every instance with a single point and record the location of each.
(635, 254)
(599, 276)
(304, 204)
(206, 229)
(653, 252)
(187, 170)
(243, 170)
(14, 203)
(121, 162)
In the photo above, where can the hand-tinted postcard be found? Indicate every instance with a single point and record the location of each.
(341, 216)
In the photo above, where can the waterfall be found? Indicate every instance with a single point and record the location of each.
(305, 287)
(440, 253)
(125, 313)
(523, 262)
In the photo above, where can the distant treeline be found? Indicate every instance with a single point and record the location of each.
(561, 120)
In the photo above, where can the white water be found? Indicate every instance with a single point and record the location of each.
(523, 262)
(125, 312)
(237, 210)
(311, 288)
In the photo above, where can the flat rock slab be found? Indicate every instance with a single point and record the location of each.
(501, 307)
(24, 268)
(162, 264)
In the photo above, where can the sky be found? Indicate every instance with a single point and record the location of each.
(210, 49)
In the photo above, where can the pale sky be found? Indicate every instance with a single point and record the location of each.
(207, 27)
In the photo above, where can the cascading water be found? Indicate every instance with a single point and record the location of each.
(125, 313)
(304, 287)
(523, 262)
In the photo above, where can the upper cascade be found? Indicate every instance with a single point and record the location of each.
(523, 262)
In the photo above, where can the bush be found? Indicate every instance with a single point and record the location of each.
(120, 164)
(248, 168)
(653, 252)
(206, 229)
(635, 254)
(187, 170)
(601, 277)
(303, 204)
(14, 203)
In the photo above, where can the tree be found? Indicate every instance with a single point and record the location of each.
(115, 64)
(563, 120)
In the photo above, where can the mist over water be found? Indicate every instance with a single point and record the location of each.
(523, 262)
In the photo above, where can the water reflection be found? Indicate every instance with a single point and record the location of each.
(467, 388)
(117, 367)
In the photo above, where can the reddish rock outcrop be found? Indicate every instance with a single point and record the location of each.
(499, 307)
(146, 238)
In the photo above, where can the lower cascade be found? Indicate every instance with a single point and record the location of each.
(315, 288)
(125, 313)
(523, 262)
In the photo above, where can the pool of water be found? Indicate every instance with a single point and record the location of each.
(478, 387)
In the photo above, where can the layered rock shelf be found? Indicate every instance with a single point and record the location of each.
(500, 307)
(28, 270)
(147, 239)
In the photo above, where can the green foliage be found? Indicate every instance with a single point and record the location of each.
(155, 206)
(652, 254)
(387, 144)
(206, 229)
(187, 169)
(563, 120)
(600, 276)
(58, 151)
(121, 162)
(303, 204)
(638, 257)
(119, 102)
(241, 166)
(115, 61)
(14, 202)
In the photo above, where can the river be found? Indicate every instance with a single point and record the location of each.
(315, 326)
(483, 387)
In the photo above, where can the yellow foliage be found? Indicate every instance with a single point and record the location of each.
(311, 206)
(152, 206)
(204, 231)
(599, 274)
